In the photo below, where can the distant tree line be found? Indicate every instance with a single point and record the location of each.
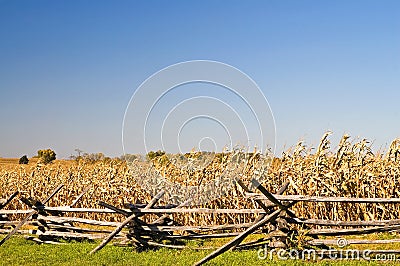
(44, 156)
(90, 157)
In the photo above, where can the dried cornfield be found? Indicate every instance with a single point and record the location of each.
(351, 169)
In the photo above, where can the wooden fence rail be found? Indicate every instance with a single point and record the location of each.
(150, 225)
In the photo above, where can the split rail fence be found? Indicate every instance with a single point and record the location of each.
(277, 223)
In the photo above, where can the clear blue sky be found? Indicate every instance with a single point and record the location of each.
(69, 68)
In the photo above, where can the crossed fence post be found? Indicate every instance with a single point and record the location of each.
(257, 224)
(127, 220)
(36, 208)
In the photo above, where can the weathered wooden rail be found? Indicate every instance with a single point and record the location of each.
(272, 211)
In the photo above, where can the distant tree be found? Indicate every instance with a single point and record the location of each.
(129, 157)
(94, 157)
(46, 156)
(153, 154)
(24, 160)
(91, 157)
(78, 156)
(78, 151)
